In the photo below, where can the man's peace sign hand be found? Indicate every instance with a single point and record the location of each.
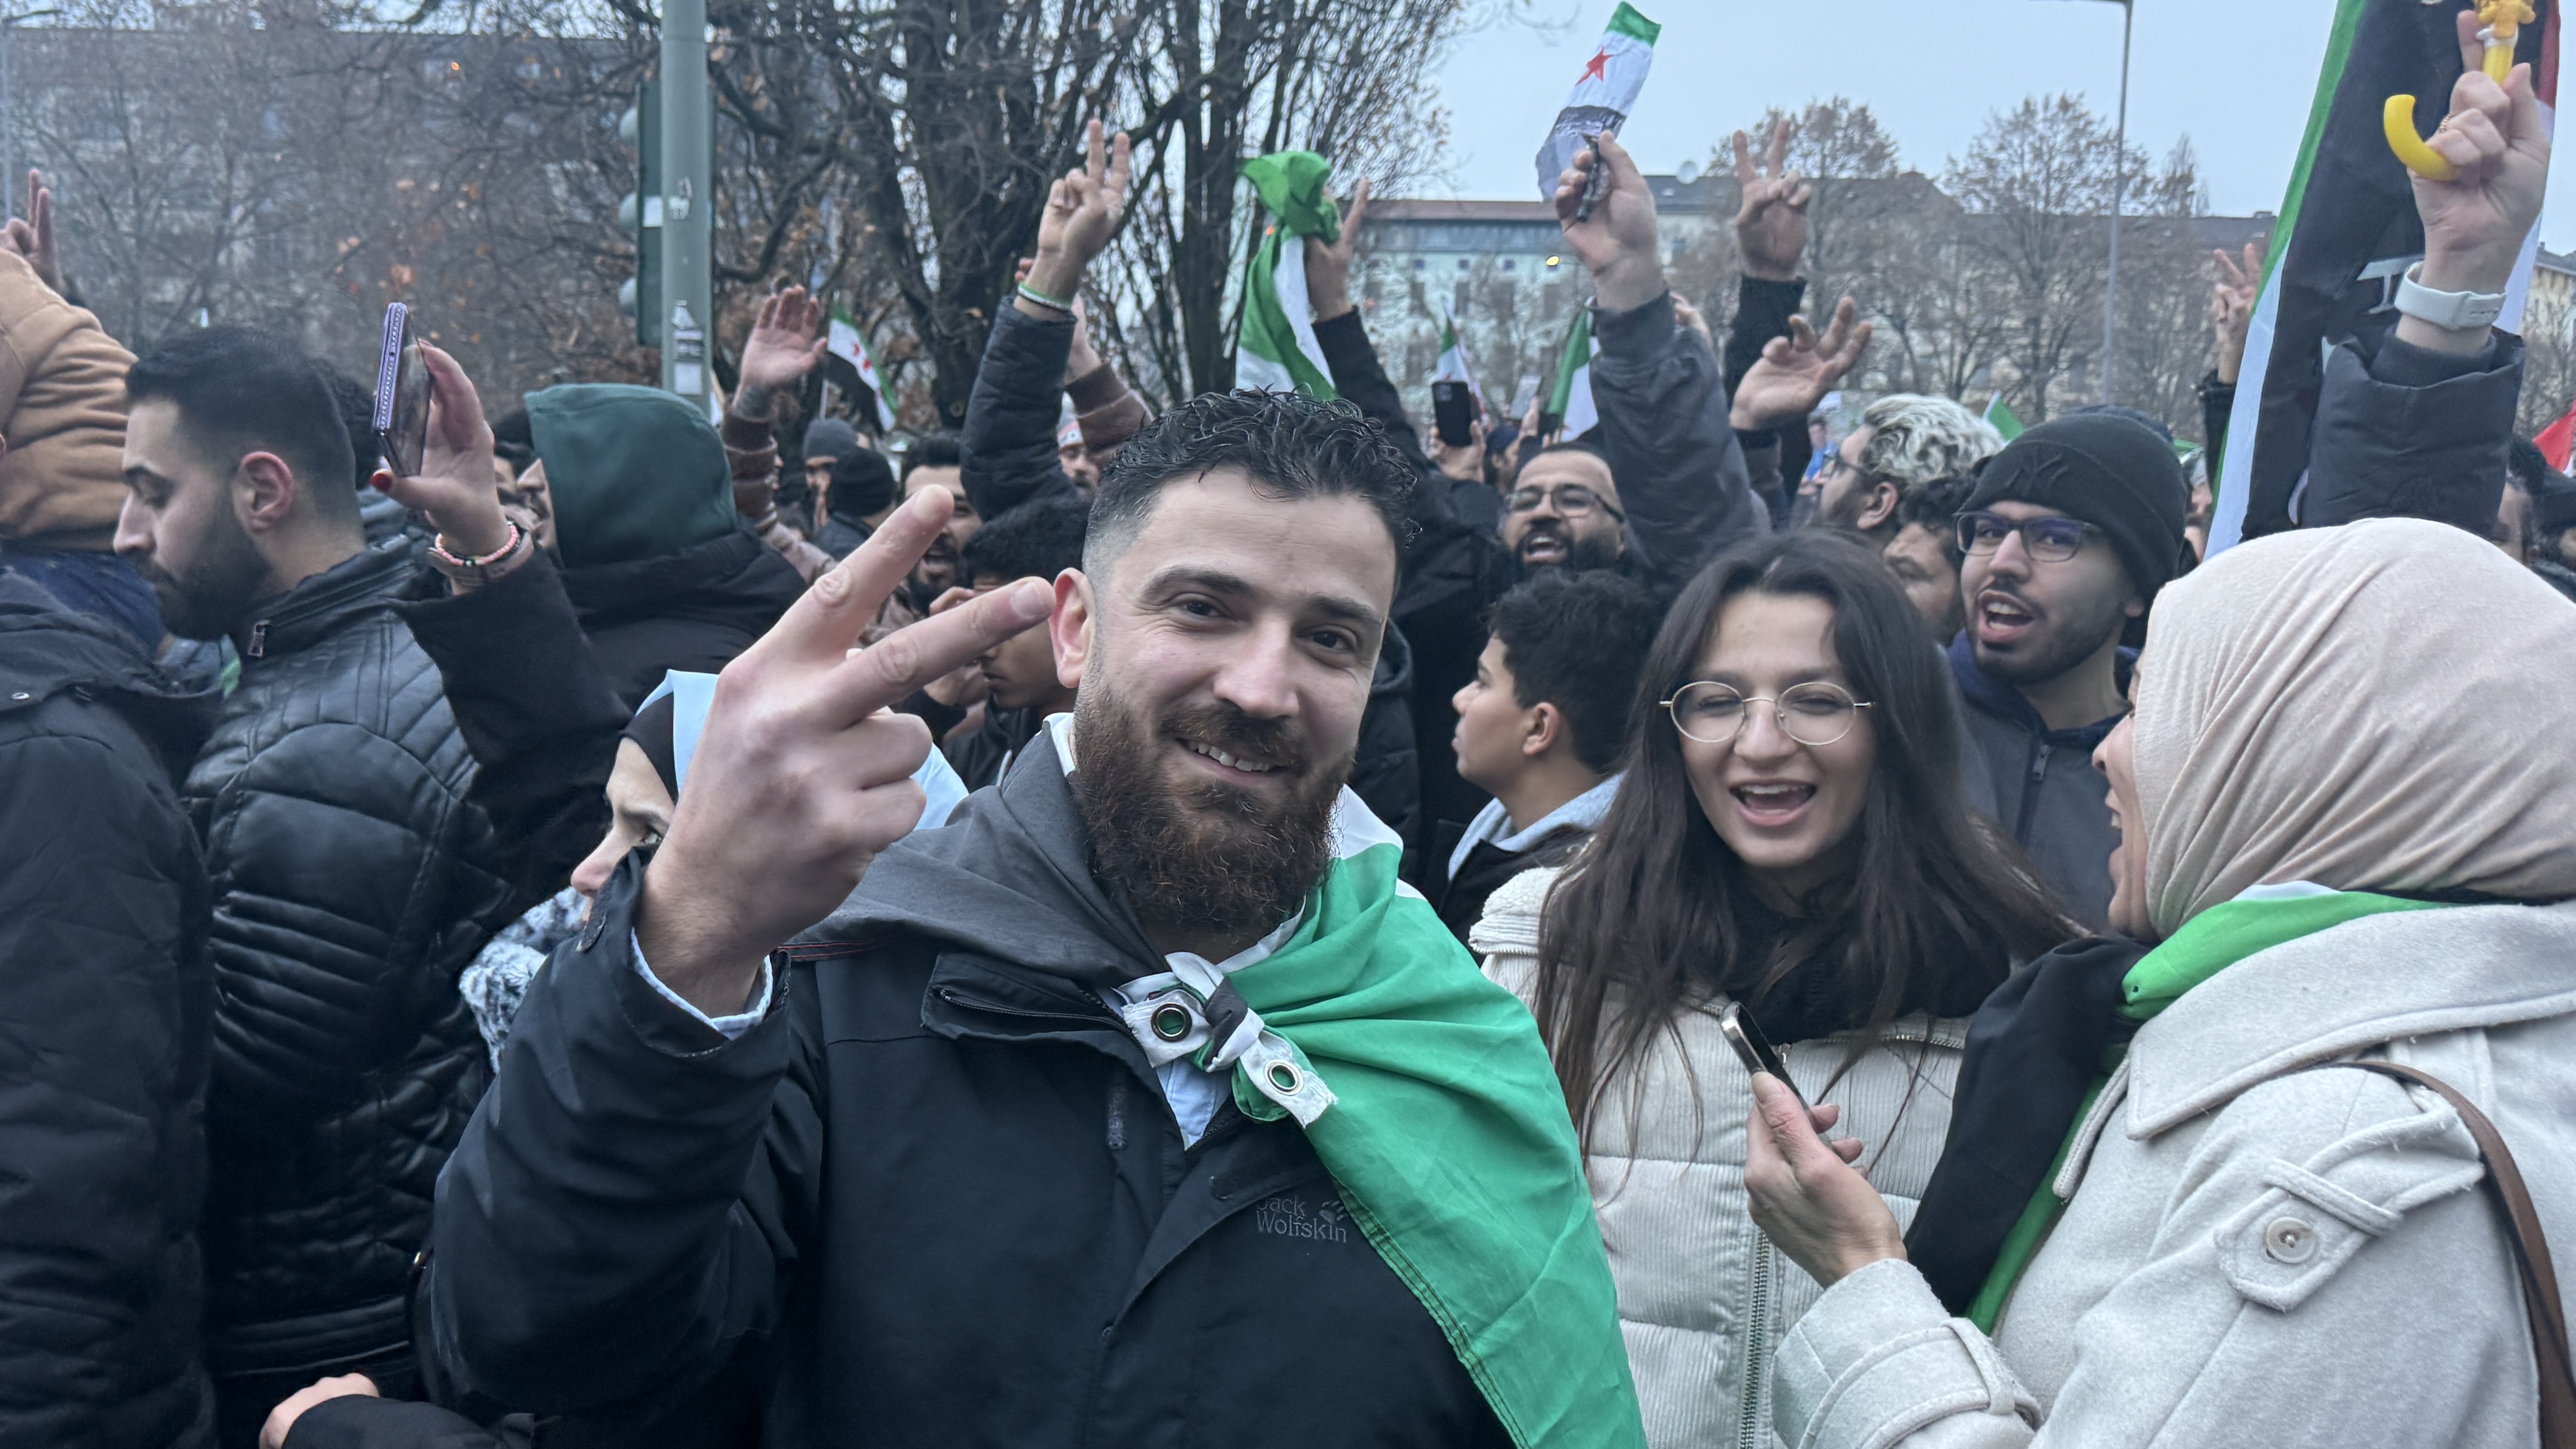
(802, 776)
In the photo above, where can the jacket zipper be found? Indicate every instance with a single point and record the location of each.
(1757, 1336)
(949, 995)
(2030, 787)
(258, 640)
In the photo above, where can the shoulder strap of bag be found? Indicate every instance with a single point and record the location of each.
(2530, 1250)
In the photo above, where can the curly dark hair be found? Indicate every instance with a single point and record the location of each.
(1291, 446)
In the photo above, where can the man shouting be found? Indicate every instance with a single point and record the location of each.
(1139, 1106)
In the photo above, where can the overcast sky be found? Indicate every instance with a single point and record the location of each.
(2236, 74)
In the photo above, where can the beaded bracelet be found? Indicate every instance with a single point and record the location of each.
(475, 570)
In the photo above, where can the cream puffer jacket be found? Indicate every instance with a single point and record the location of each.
(1703, 1297)
(2257, 1249)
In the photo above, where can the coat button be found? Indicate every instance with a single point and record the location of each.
(2290, 1240)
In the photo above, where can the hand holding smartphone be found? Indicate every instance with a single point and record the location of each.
(1453, 411)
(1744, 1034)
(402, 395)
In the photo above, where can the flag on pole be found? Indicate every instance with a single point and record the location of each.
(844, 342)
(1569, 404)
(2001, 419)
(1454, 366)
(2558, 440)
(1276, 350)
(2347, 233)
(1604, 93)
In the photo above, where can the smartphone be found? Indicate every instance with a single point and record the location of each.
(402, 395)
(1744, 1034)
(1453, 411)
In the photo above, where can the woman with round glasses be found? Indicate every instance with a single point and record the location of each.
(1792, 834)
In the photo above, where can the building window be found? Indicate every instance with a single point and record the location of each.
(1420, 265)
(1458, 305)
(1509, 264)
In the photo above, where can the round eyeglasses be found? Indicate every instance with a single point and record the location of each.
(1816, 714)
(2049, 540)
(1572, 500)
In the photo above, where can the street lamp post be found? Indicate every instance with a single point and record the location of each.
(2119, 199)
(8, 119)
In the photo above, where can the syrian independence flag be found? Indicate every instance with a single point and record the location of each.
(2348, 232)
(859, 370)
(1569, 404)
(1454, 366)
(2002, 420)
(1276, 350)
(1603, 94)
(2558, 441)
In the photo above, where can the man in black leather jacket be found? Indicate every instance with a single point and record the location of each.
(352, 876)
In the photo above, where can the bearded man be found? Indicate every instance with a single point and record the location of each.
(1140, 1105)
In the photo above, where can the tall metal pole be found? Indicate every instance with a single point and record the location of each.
(8, 119)
(688, 200)
(2119, 196)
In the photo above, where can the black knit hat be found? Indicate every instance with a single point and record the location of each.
(2108, 470)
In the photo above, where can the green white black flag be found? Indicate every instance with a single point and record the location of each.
(1276, 349)
(1603, 94)
(2348, 232)
(1570, 402)
(1454, 366)
(845, 343)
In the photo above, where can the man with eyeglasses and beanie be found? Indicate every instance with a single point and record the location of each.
(2069, 534)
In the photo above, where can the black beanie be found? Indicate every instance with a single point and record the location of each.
(2108, 470)
(862, 484)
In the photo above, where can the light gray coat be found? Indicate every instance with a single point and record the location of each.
(2254, 1253)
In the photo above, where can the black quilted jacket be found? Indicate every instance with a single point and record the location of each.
(350, 888)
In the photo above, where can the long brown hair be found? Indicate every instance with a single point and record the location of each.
(1937, 907)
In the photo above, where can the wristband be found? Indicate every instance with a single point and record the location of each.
(2452, 311)
(475, 570)
(1061, 304)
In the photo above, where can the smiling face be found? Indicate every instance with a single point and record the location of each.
(2116, 758)
(2031, 621)
(1788, 810)
(1545, 536)
(1224, 662)
(938, 570)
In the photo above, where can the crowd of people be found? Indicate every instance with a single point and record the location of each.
(1227, 926)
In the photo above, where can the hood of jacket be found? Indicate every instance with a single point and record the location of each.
(1994, 697)
(2378, 979)
(46, 648)
(1010, 878)
(735, 579)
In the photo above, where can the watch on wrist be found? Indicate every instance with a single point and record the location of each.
(2452, 311)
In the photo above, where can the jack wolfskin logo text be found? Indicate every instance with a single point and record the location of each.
(1289, 1217)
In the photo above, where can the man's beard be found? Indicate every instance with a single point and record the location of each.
(1583, 551)
(1204, 858)
(210, 599)
(2058, 644)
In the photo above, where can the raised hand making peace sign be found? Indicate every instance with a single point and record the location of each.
(1082, 214)
(1771, 226)
(802, 775)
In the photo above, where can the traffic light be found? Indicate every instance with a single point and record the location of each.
(640, 213)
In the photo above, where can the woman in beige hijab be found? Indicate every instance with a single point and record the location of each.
(2348, 807)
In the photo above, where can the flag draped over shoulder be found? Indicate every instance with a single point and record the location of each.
(1276, 350)
(2348, 232)
(845, 342)
(1454, 366)
(1570, 401)
(1603, 94)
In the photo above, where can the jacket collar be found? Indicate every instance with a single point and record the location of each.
(314, 610)
(2374, 980)
(47, 647)
(1992, 695)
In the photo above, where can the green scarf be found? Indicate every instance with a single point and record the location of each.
(1451, 1143)
(2207, 944)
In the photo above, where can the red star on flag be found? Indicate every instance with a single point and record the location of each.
(1594, 70)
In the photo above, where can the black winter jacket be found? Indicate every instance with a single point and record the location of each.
(2040, 784)
(104, 998)
(352, 882)
(1008, 440)
(2405, 432)
(945, 1196)
(695, 609)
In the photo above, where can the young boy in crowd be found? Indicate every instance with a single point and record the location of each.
(1540, 726)
(1035, 540)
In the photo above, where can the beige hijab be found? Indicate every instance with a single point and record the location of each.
(2387, 705)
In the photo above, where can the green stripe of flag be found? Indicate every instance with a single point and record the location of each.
(1626, 21)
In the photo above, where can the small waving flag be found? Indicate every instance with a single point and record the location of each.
(2001, 419)
(1276, 350)
(1454, 366)
(1569, 404)
(1604, 93)
(844, 342)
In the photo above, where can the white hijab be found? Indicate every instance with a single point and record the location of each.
(2387, 705)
